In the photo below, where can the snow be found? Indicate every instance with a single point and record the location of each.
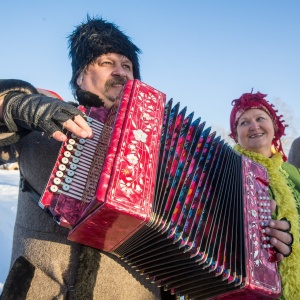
(9, 182)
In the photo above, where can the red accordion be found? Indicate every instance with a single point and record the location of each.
(162, 192)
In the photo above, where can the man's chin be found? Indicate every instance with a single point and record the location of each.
(108, 103)
(116, 95)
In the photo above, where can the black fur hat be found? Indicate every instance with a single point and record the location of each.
(95, 37)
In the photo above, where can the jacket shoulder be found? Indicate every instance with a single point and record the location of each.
(16, 85)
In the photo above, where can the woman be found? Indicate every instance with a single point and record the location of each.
(257, 129)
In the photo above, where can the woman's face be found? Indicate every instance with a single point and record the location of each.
(255, 131)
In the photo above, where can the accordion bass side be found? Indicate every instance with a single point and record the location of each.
(179, 205)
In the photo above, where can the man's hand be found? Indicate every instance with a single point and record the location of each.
(78, 126)
(42, 113)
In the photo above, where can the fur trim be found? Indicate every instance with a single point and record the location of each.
(10, 138)
(89, 262)
(87, 98)
(15, 85)
(18, 281)
(94, 38)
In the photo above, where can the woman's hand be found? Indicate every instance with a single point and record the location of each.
(280, 237)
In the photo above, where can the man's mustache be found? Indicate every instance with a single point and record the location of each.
(116, 81)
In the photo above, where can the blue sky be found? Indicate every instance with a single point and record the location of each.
(203, 54)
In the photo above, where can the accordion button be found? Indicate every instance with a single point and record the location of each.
(62, 167)
(79, 147)
(73, 166)
(68, 180)
(77, 153)
(66, 187)
(67, 153)
(64, 160)
(70, 173)
(71, 142)
(69, 147)
(75, 160)
(56, 180)
(59, 174)
(53, 188)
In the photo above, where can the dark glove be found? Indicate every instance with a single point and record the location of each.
(36, 112)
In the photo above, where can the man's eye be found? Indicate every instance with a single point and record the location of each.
(127, 67)
(106, 63)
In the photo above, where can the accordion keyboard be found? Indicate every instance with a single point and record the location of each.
(74, 167)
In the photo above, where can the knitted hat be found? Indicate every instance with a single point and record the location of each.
(95, 37)
(249, 101)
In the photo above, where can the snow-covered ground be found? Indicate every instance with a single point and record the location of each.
(9, 181)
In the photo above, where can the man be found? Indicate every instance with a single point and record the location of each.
(45, 265)
(294, 154)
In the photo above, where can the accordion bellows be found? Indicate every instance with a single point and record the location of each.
(169, 197)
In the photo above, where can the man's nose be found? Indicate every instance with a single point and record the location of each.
(119, 71)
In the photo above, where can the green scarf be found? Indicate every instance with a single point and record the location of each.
(287, 206)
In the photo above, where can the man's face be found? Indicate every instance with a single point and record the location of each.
(106, 77)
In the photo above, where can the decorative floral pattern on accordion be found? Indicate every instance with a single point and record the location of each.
(135, 159)
(133, 180)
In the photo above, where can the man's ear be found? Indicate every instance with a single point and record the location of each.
(79, 79)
